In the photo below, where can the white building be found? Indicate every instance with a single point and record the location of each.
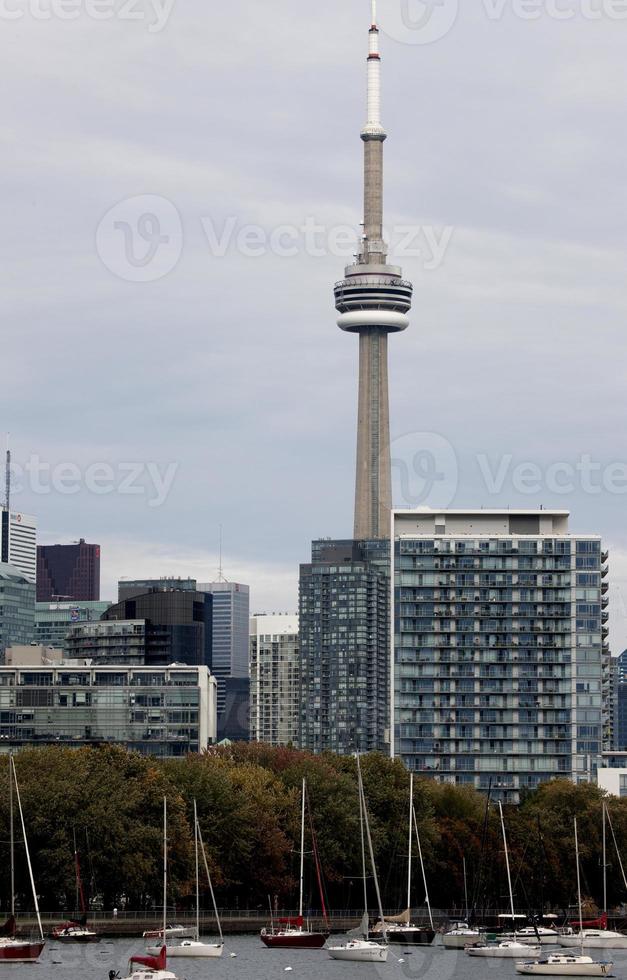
(18, 542)
(274, 680)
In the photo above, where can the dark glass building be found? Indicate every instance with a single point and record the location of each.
(68, 571)
(345, 647)
(178, 625)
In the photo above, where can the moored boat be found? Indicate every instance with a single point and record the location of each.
(460, 935)
(292, 933)
(364, 950)
(12, 948)
(506, 949)
(565, 965)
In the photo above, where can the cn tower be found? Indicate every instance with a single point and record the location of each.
(373, 301)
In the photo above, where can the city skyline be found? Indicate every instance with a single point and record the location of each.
(503, 357)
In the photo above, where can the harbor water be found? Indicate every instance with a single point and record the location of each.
(252, 961)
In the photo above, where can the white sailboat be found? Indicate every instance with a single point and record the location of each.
(507, 948)
(154, 967)
(400, 929)
(12, 949)
(461, 934)
(600, 938)
(194, 948)
(568, 964)
(364, 950)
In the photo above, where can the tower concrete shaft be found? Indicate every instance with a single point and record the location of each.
(373, 301)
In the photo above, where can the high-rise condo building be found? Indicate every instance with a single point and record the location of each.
(68, 572)
(274, 680)
(499, 647)
(18, 542)
(344, 647)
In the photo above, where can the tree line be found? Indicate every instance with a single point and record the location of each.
(248, 798)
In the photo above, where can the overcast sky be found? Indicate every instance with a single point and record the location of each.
(163, 335)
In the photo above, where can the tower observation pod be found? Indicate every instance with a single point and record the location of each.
(373, 300)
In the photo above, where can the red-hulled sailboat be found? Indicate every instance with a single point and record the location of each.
(12, 949)
(291, 933)
(76, 930)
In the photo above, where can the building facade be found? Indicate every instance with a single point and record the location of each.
(17, 608)
(231, 616)
(344, 647)
(68, 572)
(121, 642)
(166, 712)
(18, 542)
(274, 680)
(177, 625)
(499, 648)
(53, 620)
(127, 588)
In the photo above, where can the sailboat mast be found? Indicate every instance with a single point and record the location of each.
(213, 897)
(422, 866)
(302, 854)
(371, 852)
(411, 810)
(509, 876)
(579, 886)
(165, 865)
(466, 888)
(12, 834)
(363, 841)
(30, 867)
(620, 860)
(604, 867)
(197, 876)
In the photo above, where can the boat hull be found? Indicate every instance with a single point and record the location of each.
(450, 941)
(609, 941)
(576, 966)
(16, 951)
(196, 951)
(88, 937)
(296, 940)
(504, 951)
(413, 936)
(359, 952)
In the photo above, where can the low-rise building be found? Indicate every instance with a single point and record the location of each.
(165, 712)
(54, 620)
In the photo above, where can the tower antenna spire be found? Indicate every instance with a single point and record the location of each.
(7, 477)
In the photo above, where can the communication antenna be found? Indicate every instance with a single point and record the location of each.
(221, 576)
(7, 485)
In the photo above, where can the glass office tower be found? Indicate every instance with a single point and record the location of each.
(500, 648)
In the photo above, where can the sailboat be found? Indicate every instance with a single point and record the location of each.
(507, 948)
(400, 930)
(568, 964)
(194, 948)
(364, 950)
(154, 967)
(292, 935)
(76, 930)
(460, 934)
(12, 949)
(594, 937)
